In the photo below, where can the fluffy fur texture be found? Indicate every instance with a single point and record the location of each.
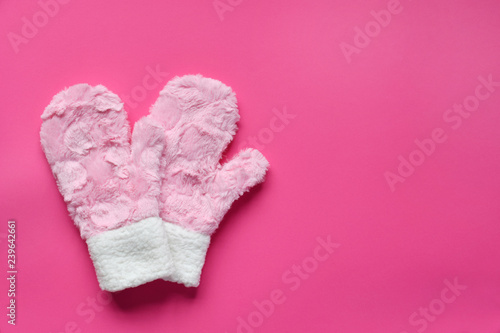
(199, 117)
(110, 186)
(106, 182)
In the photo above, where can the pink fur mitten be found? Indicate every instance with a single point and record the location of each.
(110, 186)
(199, 118)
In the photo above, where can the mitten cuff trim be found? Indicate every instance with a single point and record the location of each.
(188, 249)
(132, 255)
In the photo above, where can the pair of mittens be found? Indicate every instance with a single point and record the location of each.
(148, 206)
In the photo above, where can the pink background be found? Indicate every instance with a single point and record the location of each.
(353, 121)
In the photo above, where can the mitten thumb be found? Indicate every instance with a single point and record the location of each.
(237, 176)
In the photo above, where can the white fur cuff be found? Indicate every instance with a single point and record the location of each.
(132, 255)
(188, 249)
